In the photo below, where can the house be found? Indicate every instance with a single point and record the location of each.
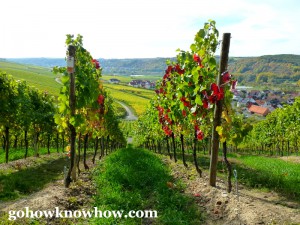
(236, 98)
(114, 81)
(147, 84)
(274, 102)
(152, 85)
(290, 101)
(259, 110)
(142, 84)
(135, 83)
(254, 94)
(261, 103)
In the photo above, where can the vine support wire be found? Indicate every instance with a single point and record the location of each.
(236, 183)
(237, 193)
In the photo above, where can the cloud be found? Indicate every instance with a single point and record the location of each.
(134, 28)
(264, 29)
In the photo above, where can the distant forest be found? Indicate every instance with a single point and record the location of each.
(274, 69)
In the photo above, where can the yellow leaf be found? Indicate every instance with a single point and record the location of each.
(219, 129)
(223, 139)
(68, 148)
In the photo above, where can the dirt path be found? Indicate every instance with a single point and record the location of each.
(58, 80)
(54, 194)
(130, 114)
(44, 198)
(293, 159)
(41, 200)
(249, 207)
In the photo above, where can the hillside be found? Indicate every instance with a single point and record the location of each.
(274, 69)
(35, 76)
(43, 79)
(146, 66)
(271, 69)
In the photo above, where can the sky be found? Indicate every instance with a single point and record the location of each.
(144, 28)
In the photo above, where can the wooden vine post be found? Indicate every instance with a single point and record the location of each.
(72, 103)
(218, 112)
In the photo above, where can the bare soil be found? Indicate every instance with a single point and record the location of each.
(293, 159)
(78, 196)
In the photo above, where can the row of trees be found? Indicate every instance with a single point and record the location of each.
(27, 120)
(26, 113)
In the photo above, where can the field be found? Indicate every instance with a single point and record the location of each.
(39, 77)
(43, 79)
(265, 189)
(136, 98)
(140, 92)
(262, 192)
(126, 79)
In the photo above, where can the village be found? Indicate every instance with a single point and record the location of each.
(136, 83)
(246, 101)
(261, 103)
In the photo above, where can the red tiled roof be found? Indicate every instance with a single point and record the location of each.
(259, 110)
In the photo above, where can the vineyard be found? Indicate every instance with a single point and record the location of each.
(45, 81)
(42, 79)
(189, 156)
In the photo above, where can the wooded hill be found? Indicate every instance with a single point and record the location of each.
(274, 69)
(138, 66)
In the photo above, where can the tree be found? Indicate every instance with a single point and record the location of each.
(9, 107)
(25, 112)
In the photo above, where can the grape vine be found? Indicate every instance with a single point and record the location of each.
(186, 96)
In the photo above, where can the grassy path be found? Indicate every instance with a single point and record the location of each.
(135, 179)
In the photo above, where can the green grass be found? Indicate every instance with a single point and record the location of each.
(15, 154)
(275, 174)
(23, 178)
(135, 179)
